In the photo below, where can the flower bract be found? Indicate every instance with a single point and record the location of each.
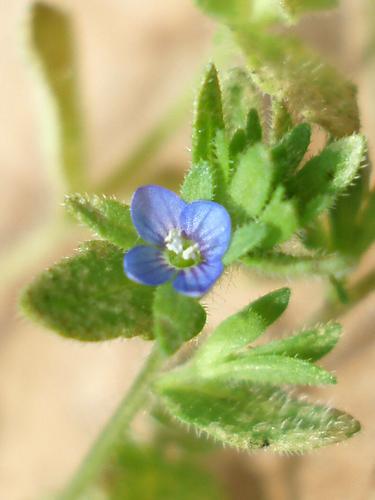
(184, 242)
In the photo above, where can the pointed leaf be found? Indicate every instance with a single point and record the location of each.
(87, 297)
(208, 119)
(177, 318)
(268, 369)
(253, 127)
(243, 327)
(244, 239)
(107, 217)
(223, 158)
(325, 176)
(239, 95)
(198, 183)
(254, 417)
(310, 345)
(252, 180)
(289, 152)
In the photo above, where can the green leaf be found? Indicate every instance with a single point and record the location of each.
(324, 177)
(237, 144)
(208, 118)
(252, 180)
(253, 127)
(52, 43)
(309, 345)
(87, 297)
(143, 472)
(289, 152)
(107, 217)
(282, 121)
(244, 239)
(243, 327)
(223, 157)
(268, 369)
(285, 265)
(344, 216)
(177, 318)
(282, 219)
(244, 11)
(283, 67)
(366, 224)
(254, 417)
(198, 183)
(239, 95)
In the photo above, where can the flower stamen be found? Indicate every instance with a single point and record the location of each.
(181, 251)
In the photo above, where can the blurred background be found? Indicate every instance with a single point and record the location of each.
(135, 60)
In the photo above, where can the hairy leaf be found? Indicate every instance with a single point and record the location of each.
(287, 70)
(324, 177)
(268, 369)
(367, 223)
(243, 327)
(281, 264)
(239, 95)
(309, 345)
(208, 119)
(282, 121)
(87, 297)
(177, 318)
(254, 417)
(244, 239)
(282, 219)
(252, 180)
(198, 183)
(289, 152)
(344, 216)
(253, 127)
(107, 217)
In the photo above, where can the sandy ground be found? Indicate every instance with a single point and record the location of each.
(55, 394)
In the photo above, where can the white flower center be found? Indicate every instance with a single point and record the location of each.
(176, 243)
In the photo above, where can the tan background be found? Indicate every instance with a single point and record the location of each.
(55, 394)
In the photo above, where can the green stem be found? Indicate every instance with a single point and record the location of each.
(109, 438)
(356, 294)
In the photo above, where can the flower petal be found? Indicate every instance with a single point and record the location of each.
(208, 224)
(155, 211)
(147, 265)
(197, 280)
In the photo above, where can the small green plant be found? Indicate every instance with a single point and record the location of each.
(251, 188)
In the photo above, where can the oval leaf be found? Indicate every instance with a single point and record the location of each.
(87, 297)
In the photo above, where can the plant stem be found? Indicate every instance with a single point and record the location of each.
(109, 438)
(356, 293)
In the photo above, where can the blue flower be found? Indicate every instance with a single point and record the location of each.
(186, 241)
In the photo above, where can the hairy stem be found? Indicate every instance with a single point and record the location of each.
(109, 438)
